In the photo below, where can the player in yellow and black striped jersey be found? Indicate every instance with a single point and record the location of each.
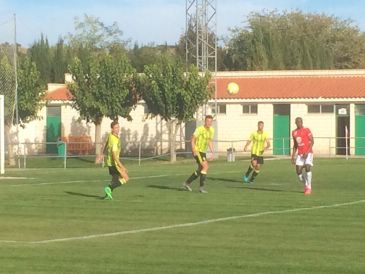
(201, 140)
(260, 142)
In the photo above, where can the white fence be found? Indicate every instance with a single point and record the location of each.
(140, 151)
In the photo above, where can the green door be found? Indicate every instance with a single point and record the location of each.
(360, 134)
(53, 128)
(281, 134)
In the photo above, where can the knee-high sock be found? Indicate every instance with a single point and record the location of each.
(248, 172)
(203, 176)
(114, 183)
(303, 177)
(193, 176)
(254, 174)
(309, 179)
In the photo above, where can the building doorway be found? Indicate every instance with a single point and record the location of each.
(53, 128)
(281, 133)
(342, 129)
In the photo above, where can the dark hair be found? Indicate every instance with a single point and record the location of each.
(208, 117)
(115, 122)
(260, 122)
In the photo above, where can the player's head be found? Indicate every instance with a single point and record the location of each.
(299, 122)
(260, 125)
(208, 121)
(115, 127)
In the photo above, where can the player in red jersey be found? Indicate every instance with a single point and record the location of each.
(303, 143)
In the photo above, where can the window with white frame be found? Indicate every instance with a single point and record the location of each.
(222, 109)
(249, 108)
(316, 108)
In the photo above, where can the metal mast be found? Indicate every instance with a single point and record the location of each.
(201, 34)
(201, 39)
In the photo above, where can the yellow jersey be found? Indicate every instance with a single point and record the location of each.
(258, 140)
(203, 136)
(114, 145)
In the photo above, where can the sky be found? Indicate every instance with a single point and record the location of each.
(148, 21)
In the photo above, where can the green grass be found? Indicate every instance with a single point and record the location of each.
(55, 203)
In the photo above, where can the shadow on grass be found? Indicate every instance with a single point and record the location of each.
(167, 187)
(224, 179)
(84, 195)
(252, 187)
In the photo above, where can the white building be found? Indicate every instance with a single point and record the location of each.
(328, 101)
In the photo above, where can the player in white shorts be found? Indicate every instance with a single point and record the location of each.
(302, 161)
(303, 143)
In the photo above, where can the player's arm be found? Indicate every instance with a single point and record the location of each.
(311, 140)
(117, 161)
(193, 148)
(100, 158)
(294, 151)
(211, 147)
(247, 144)
(105, 146)
(268, 144)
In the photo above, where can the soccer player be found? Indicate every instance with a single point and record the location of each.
(303, 143)
(260, 143)
(116, 169)
(200, 141)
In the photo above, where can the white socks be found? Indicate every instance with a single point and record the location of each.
(309, 180)
(306, 178)
(303, 177)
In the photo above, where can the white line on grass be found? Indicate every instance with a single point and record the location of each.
(54, 183)
(15, 178)
(159, 228)
(132, 179)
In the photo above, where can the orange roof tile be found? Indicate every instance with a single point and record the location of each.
(60, 94)
(274, 87)
(287, 87)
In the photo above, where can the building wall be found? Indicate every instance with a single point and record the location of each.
(232, 129)
(151, 133)
(33, 134)
(236, 127)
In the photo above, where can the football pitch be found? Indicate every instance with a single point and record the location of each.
(54, 220)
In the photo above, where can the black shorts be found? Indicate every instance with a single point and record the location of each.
(259, 159)
(201, 157)
(113, 171)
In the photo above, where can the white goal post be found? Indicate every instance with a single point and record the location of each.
(2, 135)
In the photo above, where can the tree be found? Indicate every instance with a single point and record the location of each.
(30, 94)
(103, 87)
(102, 74)
(61, 57)
(174, 94)
(41, 54)
(149, 54)
(7, 88)
(93, 34)
(30, 91)
(295, 40)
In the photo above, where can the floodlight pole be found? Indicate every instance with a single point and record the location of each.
(201, 15)
(15, 52)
